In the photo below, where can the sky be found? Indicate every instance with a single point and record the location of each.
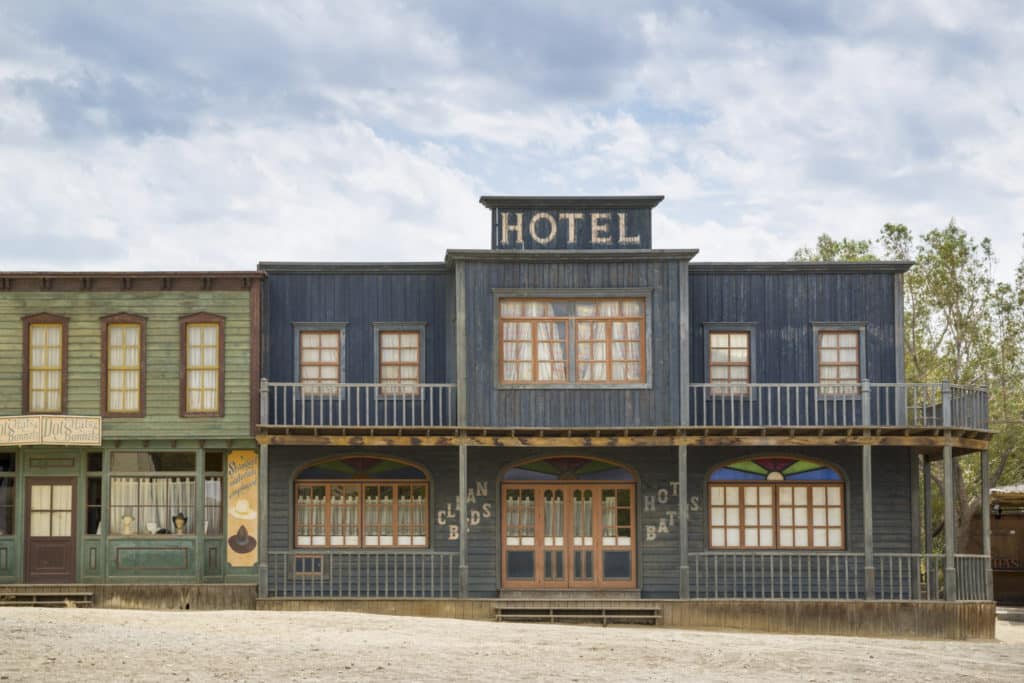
(209, 135)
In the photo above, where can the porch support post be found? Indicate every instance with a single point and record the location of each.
(684, 528)
(869, 526)
(986, 525)
(926, 471)
(463, 526)
(949, 511)
(264, 533)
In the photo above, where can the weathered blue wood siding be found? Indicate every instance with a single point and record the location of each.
(656, 502)
(358, 297)
(782, 305)
(490, 404)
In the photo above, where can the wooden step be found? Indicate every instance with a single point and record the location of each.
(596, 615)
(46, 599)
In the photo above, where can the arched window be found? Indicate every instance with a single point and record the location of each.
(361, 501)
(776, 501)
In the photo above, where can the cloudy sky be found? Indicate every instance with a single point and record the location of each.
(179, 135)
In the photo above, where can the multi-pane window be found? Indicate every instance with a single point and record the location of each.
(319, 360)
(46, 357)
(361, 514)
(839, 360)
(729, 362)
(203, 358)
(572, 341)
(152, 493)
(340, 503)
(782, 502)
(123, 367)
(399, 362)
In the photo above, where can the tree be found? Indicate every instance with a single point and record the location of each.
(828, 249)
(961, 325)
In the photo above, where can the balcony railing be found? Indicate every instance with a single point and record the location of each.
(832, 576)
(362, 574)
(867, 404)
(293, 404)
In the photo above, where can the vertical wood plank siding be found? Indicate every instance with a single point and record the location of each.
(358, 299)
(572, 407)
(162, 310)
(658, 559)
(782, 306)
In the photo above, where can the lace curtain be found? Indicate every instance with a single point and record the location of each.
(149, 504)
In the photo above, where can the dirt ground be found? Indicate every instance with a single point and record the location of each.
(120, 645)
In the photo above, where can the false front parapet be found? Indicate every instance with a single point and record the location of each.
(570, 222)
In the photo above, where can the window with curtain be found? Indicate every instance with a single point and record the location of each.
(335, 507)
(7, 481)
(148, 490)
(213, 494)
(319, 361)
(729, 363)
(123, 353)
(203, 358)
(839, 361)
(398, 362)
(45, 361)
(776, 502)
(572, 341)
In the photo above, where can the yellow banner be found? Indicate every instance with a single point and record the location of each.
(243, 531)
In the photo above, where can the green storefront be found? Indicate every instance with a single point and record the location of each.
(126, 422)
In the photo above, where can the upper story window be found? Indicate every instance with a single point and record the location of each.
(123, 361)
(319, 360)
(729, 362)
(839, 360)
(776, 502)
(399, 359)
(202, 350)
(46, 361)
(572, 341)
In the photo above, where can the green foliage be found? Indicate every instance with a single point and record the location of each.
(829, 249)
(963, 325)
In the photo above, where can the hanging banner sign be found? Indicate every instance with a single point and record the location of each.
(243, 476)
(51, 430)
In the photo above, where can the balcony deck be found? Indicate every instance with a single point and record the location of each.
(895, 414)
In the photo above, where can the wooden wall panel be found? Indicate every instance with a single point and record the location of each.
(782, 306)
(489, 404)
(162, 311)
(358, 299)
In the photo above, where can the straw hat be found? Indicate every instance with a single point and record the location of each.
(241, 510)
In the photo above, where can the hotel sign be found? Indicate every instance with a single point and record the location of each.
(51, 430)
(584, 223)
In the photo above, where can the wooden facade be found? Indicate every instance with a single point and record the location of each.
(569, 415)
(154, 443)
(509, 352)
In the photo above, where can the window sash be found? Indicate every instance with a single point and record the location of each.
(729, 362)
(398, 362)
(777, 515)
(45, 367)
(202, 367)
(319, 361)
(124, 367)
(839, 361)
(370, 514)
(572, 341)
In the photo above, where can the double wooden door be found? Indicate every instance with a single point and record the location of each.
(50, 530)
(568, 536)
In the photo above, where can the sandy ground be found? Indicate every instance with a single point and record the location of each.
(120, 645)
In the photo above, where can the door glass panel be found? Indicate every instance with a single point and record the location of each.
(554, 523)
(519, 517)
(519, 564)
(618, 564)
(583, 518)
(51, 510)
(554, 565)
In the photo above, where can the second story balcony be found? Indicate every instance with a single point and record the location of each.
(917, 407)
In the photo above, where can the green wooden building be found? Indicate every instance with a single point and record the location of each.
(126, 422)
